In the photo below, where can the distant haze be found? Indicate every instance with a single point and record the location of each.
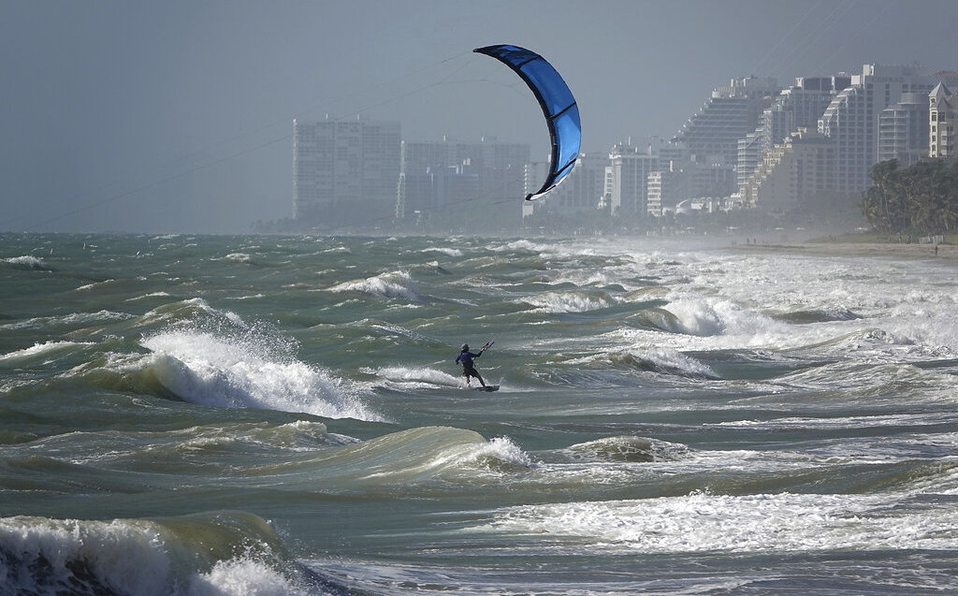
(177, 116)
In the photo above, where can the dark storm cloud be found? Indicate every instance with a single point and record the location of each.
(177, 116)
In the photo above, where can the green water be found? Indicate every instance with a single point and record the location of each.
(227, 415)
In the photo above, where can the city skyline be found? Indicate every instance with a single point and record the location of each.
(753, 144)
(186, 127)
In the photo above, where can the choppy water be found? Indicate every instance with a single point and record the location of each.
(271, 415)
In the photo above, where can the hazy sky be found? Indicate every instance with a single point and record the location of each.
(176, 115)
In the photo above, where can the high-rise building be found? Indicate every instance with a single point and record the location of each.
(943, 122)
(580, 193)
(630, 169)
(344, 171)
(440, 174)
(799, 106)
(731, 112)
(680, 181)
(903, 130)
(667, 188)
(852, 119)
(792, 172)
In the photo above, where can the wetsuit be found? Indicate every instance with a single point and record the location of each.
(468, 368)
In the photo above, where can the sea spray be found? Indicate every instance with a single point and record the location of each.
(241, 372)
(220, 360)
(702, 522)
(391, 285)
(221, 554)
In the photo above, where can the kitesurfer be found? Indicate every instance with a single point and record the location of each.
(465, 358)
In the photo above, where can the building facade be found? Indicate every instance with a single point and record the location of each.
(903, 130)
(852, 119)
(630, 167)
(437, 175)
(731, 112)
(667, 188)
(799, 106)
(578, 194)
(791, 173)
(344, 171)
(942, 121)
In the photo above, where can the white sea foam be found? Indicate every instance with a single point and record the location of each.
(650, 358)
(672, 361)
(395, 284)
(26, 262)
(246, 371)
(412, 378)
(70, 320)
(235, 257)
(47, 348)
(760, 523)
(423, 453)
(505, 449)
(569, 302)
(244, 576)
(337, 250)
(523, 244)
(452, 252)
(121, 555)
(185, 311)
(709, 317)
(88, 287)
(485, 454)
(898, 297)
(150, 295)
(46, 556)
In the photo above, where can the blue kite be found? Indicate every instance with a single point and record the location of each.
(558, 106)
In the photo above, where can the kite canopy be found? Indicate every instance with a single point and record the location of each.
(558, 106)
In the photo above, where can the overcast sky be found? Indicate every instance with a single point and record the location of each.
(176, 115)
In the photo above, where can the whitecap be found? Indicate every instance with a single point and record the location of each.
(26, 262)
(46, 348)
(762, 523)
(395, 284)
(569, 302)
(247, 370)
(412, 378)
(452, 252)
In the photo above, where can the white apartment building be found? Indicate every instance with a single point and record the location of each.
(791, 172)
(712, 134)
(668, 187)
(580, 193)
(344, 171)
(942, 121)
(903, 130)
(852, 119)
(799, 106)
(629, 170)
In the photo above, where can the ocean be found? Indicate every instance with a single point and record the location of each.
(234, 415)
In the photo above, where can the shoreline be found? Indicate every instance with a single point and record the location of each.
(853, 249)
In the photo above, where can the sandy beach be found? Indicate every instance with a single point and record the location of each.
(923, 251)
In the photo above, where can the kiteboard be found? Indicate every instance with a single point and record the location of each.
(488, 388)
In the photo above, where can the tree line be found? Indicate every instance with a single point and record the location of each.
(922, 197)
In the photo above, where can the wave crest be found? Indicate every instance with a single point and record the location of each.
(395, 284)
(27, 262)
(221, 554)
(246, 371)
